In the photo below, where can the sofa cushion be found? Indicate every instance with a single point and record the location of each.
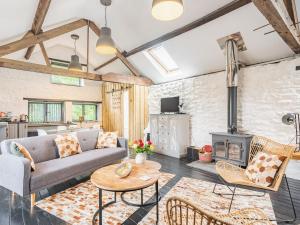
(67, 145)
(107, 140)
(41, 148)
(58, 170)
(88, 139)
(20, 151)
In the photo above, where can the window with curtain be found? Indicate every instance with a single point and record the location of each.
(45, 112)
(87, 110)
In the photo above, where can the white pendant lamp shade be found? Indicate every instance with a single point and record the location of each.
(75, 65)
(167, 9)
(105, 44)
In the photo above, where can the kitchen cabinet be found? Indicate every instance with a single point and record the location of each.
(17, 130)
(23, 130)
(12, 131)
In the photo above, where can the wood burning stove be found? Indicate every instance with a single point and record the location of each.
(232, 146)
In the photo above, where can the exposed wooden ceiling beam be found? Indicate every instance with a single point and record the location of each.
(290, 6)
(236, 4)
(111, 77)
(128, 64)
(38, 21)
(119, 55)
(119, 78)
(45, 55)
(280, 25)
(107, 63)
(25, 66)
(44, 36)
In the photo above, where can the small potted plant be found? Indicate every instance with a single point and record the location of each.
(205, 154)
(142, 149)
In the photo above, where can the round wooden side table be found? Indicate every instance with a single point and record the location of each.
(105, 179)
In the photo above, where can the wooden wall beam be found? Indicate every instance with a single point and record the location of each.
(25, 66)
(38, 21)
(236, 4)
(44, 36)
(127, 79)
(270, 12)
(119, 54)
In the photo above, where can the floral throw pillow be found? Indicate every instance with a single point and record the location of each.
(263, 168)
(107, 140)
(67, 145)
(20, 151)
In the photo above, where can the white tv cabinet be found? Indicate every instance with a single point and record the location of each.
(170, 133)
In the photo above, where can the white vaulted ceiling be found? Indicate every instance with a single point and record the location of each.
(196, 52)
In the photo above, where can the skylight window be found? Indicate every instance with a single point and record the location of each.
(162, 60)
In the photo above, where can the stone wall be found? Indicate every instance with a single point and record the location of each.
(265, 94)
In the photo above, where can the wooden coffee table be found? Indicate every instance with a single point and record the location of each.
(106, 179)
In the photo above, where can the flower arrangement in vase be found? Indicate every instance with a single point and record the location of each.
(142, 150)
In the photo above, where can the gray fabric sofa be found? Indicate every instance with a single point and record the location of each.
(16, 174)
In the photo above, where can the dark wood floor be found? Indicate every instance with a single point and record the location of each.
(15, 210)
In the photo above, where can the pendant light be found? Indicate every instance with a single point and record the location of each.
(167, 10)
(105, 44)
(75, 64)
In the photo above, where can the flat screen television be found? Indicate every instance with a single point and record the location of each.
(169, 105)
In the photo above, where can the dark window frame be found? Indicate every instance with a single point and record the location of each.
(45, 116)
(83, 104)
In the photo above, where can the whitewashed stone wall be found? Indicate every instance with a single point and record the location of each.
(266, 93)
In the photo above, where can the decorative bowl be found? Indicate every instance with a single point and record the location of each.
(123, 170)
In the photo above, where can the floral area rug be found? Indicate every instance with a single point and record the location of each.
(78, 204)
(200, 194)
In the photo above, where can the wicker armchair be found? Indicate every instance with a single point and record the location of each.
(235, 176)
(181, 212)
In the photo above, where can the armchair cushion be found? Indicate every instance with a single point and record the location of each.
(263, 168)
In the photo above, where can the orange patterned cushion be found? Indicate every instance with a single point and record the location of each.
(263, 168)
(20, 150)
(67, 145)
(107, 140)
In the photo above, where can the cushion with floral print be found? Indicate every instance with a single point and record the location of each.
(107, 140)
(67, 145)
(263, 168)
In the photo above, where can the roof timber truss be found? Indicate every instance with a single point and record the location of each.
(285, 24)
(282, 20)
(37, 24)
(37, 36)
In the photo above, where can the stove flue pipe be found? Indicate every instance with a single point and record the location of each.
(232, 68)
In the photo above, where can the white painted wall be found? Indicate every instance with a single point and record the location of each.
(16, 85)
(266, 93)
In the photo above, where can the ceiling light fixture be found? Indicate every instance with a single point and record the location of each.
(105, 44)
(167, 10)
(75, 64)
